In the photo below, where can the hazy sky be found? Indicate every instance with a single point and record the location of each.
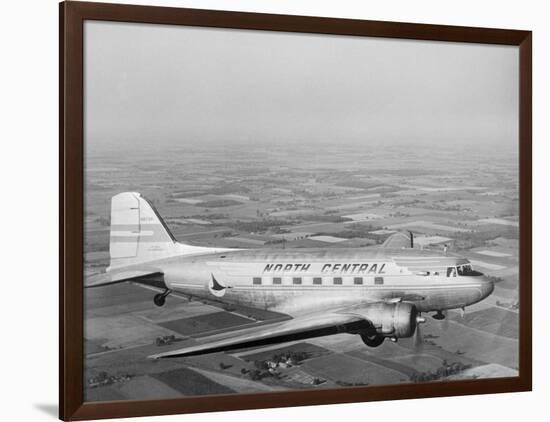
(167, 84)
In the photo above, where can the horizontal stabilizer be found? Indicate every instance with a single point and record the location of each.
(114, 277)
(292, 330)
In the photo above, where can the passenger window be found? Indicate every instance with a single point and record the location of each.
(378, 280)
(276, 280)
(317, 280)
(337, 280)
(297, 280)
(257, 280)
(358, 280)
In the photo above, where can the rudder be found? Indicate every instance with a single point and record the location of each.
(138, 234)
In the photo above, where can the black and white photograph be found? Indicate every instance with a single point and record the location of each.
(271, 211)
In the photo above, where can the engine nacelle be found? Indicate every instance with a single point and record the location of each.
(396, 320)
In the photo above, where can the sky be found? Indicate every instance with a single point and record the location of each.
(167, 85)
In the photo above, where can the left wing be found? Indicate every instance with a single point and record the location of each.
(295, 329)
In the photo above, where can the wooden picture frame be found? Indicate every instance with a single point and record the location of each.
(71, 207)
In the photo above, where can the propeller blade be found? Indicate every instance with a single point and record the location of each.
(418, 339)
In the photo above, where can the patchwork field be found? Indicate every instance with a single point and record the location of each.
(332, 196)
(117, 353)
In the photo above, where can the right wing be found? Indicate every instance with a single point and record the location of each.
(295, 329)
(399, 240)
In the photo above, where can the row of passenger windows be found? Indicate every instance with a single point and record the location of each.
(317, 280)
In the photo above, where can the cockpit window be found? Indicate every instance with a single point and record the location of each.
(467, 270)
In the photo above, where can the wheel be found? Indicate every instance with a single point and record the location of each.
(438, 315)
(372, 340)
(159, 299)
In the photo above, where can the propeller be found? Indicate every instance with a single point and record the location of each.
(418, 338)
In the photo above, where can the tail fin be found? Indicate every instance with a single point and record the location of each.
(138, 233)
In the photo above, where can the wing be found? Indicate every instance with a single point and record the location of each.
(120, 276)
(399, 240)
(296, 329)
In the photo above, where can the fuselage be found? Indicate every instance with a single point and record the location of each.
(301, 281)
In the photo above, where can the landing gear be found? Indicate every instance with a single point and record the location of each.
(373, 340)
(160, 299)
(438, 315)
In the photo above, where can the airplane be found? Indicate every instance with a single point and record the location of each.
(377, 293)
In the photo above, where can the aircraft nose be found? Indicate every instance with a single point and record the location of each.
(487, 288)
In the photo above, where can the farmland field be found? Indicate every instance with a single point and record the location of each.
(288, 201)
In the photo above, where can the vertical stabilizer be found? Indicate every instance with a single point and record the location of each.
(138, 233)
